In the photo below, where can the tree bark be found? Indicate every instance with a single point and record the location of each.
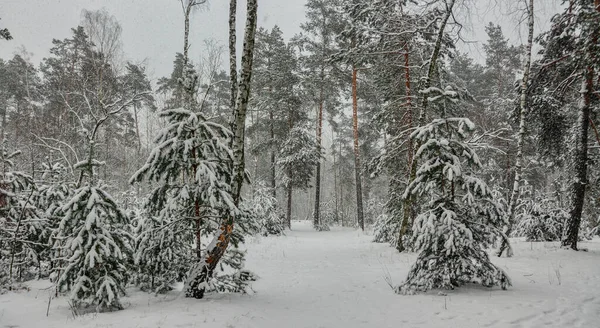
(137, 128)
(289, 204)
(410, 150)
(202, 271)
(186, 35)
(357, 166)
(273, 173)
(316, 214)
(514, 196)
(232, 53)
(571, 236)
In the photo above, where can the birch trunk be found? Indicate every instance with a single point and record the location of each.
(203, 271)
(514, 196)
(232, 53)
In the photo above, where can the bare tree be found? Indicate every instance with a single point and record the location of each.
(104, 30)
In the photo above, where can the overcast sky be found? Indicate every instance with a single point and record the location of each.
(153, 29)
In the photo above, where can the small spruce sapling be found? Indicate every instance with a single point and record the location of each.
(20, 223)
(95, 244)
(460, 217)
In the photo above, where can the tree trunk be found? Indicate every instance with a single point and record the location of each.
(186, 35)
(289, 204)
(335, 185)
(357, 166)
(316, 214)
(203, 271)
(410, 150)
(514, 196)
(137, 128)
(273, 173)
(232, 53)
(578, 189)
(571, 235)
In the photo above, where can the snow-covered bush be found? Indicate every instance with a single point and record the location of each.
(540, 221)
(162, 252)
(20, 223)
(53, 191)
(265, 209)
(460, 218)
(386, 229)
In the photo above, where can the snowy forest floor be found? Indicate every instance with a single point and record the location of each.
(339, 279)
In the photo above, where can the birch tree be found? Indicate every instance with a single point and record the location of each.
(514, 196)
(202, 271)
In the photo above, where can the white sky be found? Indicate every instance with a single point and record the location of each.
(153, 29)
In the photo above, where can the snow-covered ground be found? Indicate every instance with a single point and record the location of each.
(340, 279)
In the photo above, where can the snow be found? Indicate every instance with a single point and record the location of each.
(340, 278)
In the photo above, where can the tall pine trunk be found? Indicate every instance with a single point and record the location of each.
(514, 196)
(316, 214)
(357, 166)
(203, 271)
(410, 150)
(571, 234)
(273, 172)
(288, 215)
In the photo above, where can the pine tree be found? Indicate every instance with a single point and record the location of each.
(460, 218)
(319, 77)
(20, 222)
(95, 247)
(296, 159)
(570, 46)
(275, 82)
(263, 207)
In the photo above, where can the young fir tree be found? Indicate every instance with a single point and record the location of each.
(264, 208)
(20, 222)
(54, 189)
(94, 245)
(460, 217)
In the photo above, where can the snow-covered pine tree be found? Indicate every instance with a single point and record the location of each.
(263, 206)
(298, 155)
(162, 252)
(191, 164)
(53, 190)
(540, 220)
(569, 57)
(460, 217)
(92, 235)
(95, 245)
(20, 222)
